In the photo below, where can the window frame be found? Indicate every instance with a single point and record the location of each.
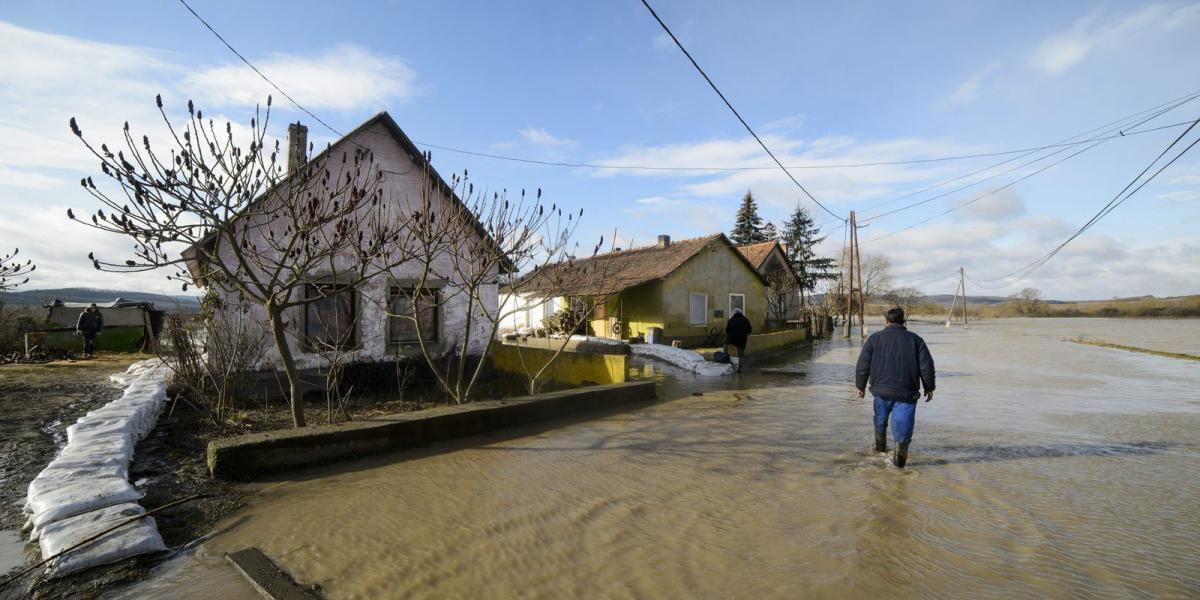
(743, 306)
(392, 318)
(704, 312)
(311, 291)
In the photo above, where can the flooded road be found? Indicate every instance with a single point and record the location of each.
(1041, 468)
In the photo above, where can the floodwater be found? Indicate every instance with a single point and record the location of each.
(1041, 468)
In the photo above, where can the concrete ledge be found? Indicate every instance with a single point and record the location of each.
(259, 454)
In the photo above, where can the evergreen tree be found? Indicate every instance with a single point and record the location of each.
(800, 237)
(770, 232)
(747, 225)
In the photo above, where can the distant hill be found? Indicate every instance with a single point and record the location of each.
(947, 298)
(36, 298)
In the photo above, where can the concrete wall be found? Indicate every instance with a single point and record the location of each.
(769, 342)
(572, 368)
(263, 454)
(402, 187)
(62, 316)
(716, 271)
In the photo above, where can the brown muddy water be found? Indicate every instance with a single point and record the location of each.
(1041, 468)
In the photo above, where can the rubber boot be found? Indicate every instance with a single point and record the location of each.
(881, 441)
(901, 455)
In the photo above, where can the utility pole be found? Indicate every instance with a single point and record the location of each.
(854, 282)
(960, 287)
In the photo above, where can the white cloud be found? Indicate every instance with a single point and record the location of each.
(45, 80)
(1002, 206)
(1097, 31)
(1183, 196)
(811, 159)
(345, 78)
(1185, 174)
(540, 137)
(967, 91)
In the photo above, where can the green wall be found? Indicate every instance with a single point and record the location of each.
(717, 272)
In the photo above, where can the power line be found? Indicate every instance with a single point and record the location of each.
(1125, 194)
(626, 167)
(1116, 125)
(1097, 140)
(260, 73)
(732, 109)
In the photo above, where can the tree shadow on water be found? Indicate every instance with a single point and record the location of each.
(980, 453)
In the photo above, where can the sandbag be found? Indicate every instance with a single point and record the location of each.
(133, 539)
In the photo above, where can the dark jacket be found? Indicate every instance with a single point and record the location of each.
(897, 363)
(737, 330)
(90, 322)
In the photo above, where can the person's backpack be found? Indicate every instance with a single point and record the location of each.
(721, 357)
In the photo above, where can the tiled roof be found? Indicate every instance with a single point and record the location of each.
(615, 271)
(757, 253)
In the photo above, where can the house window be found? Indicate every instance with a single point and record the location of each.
(737, 301)
(407, 307)
(697, 309)
(330, 318)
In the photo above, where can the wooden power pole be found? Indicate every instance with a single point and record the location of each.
(854, 282)
(961, 287)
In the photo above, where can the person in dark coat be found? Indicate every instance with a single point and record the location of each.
(737, 332)
(898, 364)
(89, 325)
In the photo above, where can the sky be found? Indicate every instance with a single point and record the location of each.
(824, 84)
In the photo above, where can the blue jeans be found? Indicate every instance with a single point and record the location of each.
(903, 415)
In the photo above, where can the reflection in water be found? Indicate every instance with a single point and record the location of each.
(1041, 468)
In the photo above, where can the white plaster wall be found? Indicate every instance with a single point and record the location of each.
(402, 184)
(520, 311)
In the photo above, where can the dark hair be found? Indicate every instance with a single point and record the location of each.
(895, 315)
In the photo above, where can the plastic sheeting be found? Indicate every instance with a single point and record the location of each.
(86, 488)
(687, 359)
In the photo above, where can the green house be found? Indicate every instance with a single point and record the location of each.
(686, 288)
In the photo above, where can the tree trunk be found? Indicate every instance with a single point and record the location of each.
(295, 394)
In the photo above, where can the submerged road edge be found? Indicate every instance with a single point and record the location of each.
(268, 453)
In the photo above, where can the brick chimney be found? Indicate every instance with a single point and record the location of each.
(297, 146)
(664, 241)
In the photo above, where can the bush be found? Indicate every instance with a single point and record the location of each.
(14, 324)
(564, 322)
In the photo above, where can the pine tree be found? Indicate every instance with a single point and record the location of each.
(770, 232)
(800, 237)
(747, 225)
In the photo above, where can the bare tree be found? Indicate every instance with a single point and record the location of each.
(876, 276)
(245, 224)
(781, 292)
(1028, 301)
(463, 253)
(13, 272)
(905, 297)
(589, 277)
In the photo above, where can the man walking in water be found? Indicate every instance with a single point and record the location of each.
(898, 364)
(89, 325)
(737, 333)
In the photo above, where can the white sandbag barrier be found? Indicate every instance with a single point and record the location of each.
(86, 489)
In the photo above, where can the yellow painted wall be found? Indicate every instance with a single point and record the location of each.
(717, 272)
(638, 308)
(771, 341)
(571, 368)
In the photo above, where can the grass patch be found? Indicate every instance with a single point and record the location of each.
(1101, 344)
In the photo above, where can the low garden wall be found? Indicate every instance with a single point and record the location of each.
(769, 342)
(570, 368)
(261, 454)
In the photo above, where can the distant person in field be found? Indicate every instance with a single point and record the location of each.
(89, 325)
(898, 364)
(737, 332)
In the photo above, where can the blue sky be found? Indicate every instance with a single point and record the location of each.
(598, 83)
